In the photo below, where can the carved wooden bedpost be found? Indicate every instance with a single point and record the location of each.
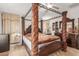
(64, 33)
(73, 24)
(34, 50)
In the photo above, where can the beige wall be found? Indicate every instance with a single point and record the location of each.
(74, 14)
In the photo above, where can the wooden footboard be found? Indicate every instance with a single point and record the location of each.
(46, 49)
(50, 48)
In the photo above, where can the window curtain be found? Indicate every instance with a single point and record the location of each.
(11, 23)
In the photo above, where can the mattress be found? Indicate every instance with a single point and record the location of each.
(27, 41)
(42, 38)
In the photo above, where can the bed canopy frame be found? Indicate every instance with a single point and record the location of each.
(35, 29)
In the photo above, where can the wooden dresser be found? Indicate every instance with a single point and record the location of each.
(73, 40)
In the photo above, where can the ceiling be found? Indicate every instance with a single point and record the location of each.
(15, 8)
(22, 8)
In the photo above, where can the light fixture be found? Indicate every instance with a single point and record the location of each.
(49, 5)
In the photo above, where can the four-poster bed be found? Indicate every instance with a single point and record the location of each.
(44, 44)
(40, 44)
